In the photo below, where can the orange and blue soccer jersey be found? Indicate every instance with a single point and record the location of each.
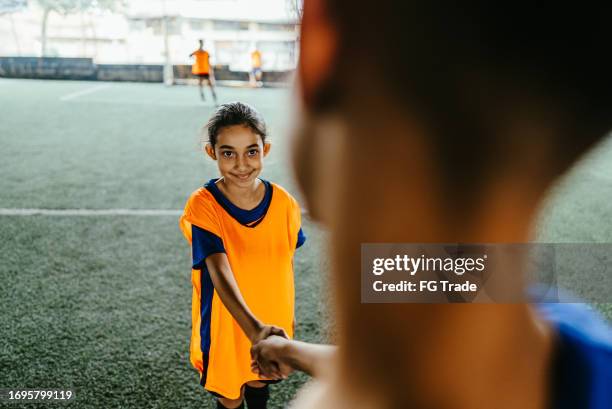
(259, 244)
(201, 64)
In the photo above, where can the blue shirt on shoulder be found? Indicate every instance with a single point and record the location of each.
(582, 366)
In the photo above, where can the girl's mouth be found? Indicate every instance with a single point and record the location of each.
(244, 176)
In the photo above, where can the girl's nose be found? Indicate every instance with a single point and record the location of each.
(241, 163)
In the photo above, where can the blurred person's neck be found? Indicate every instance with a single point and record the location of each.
(417, 355)
(450, 356)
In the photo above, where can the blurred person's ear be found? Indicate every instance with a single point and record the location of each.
(318, 48)
(210, 151)
(266, 148)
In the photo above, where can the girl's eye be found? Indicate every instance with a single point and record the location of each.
(227, 154)
(253, 152)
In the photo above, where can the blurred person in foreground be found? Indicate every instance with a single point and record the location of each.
(202, 69)
(470, 113)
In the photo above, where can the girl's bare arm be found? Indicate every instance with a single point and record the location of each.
(225, 284)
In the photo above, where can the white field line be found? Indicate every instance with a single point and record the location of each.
(85, 91)
(196, 103)
(89, 212)
(95, 212)
(145, 102)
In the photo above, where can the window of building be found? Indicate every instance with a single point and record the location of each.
(276, 27)
(277, 55)
(234, 54)
(196, 25)
(155, 24)
(222, 25)
(136, 24)
(173, 25)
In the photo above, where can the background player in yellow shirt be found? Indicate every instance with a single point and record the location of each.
(202, 69)
(255, 74)
(244, 232)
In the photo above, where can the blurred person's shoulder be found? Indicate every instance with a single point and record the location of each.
(582, 363)
(579, 322)
(320, 394)
(314, 394)
(329, 391)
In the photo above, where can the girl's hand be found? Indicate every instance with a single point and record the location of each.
(269, 357)
(265, 331)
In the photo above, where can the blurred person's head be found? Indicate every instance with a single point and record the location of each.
(444, 122)
(237, 142)
(485, 91)
(201, 43)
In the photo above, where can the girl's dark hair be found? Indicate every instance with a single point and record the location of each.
(235, 113)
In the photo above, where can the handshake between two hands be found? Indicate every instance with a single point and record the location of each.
(269, 353)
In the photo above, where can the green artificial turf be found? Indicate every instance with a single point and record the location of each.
(125, 146)
(102, 305)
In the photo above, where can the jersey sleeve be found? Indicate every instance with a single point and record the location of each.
(301, 238)
(201, 213)
(295, 223)
(203, 244)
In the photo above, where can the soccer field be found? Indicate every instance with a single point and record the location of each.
(100, 303)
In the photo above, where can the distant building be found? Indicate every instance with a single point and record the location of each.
(231, 29)
(12, 6)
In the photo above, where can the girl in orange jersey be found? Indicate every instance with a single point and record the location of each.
(244, 231)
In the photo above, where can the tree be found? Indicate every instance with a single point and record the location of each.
(65, 7)
(7, 8)
(296, 9)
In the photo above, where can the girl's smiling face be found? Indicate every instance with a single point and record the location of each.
(239, 152)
